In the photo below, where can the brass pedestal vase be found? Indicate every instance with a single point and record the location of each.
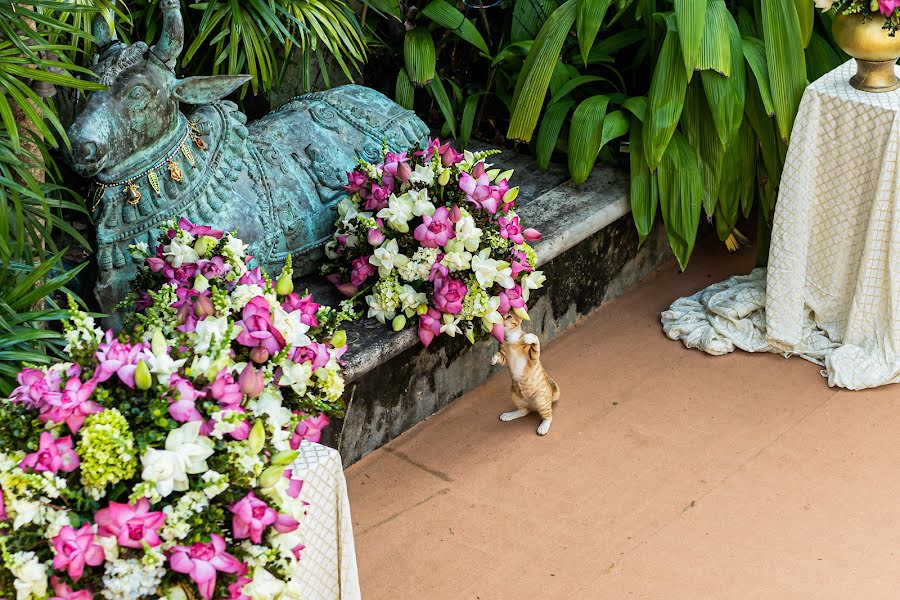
(875, 50)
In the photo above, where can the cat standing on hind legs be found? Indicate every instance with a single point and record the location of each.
(532, 389)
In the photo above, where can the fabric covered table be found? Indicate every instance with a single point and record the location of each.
(328, 561)
(832, 291)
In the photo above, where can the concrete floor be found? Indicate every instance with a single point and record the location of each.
(667, 474)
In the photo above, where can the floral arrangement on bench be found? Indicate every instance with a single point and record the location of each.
(433, 233)
(158, 462)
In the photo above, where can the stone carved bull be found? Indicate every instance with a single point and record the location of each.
(276, 180)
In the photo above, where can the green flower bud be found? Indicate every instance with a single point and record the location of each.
(204, 244)
(158, 343)
(284, 285)
(142, 378)
(421, 309)
(201, 283)
(285, 457)
(271, 476)
(398, 323)
(511, 195)
(339, 338)
(444, 177)
(470, 335)
(257, 438)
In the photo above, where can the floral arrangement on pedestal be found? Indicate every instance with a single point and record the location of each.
(433, 233)
(889, 9)
(158, 462)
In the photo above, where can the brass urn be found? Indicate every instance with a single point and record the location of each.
(875, 50)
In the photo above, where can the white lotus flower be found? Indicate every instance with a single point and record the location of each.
(492, 315)
(163, 365)
(457, 261)
(422, 174)
(264, 586)
(379, 312)
(291, 327)
(488, 270)
(165, 470)
(468, 234)
(271, 405)
(192, 447)
(410, 299)
(178, 253)
(421, 205)
(398, 212)
(387, 258)
(296, 375)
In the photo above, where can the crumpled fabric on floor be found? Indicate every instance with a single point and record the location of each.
(732, 314)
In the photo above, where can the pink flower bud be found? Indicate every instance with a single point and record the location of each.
(532, 235)
(203, 307)
(375, 237)
(478, 170)
(251, 381)
(259, 355)
(455, 213)
(403, 171)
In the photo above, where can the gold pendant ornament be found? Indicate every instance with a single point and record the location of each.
(186, 150)
(175, 170)
(195, 133)
(153, 178)
(132, 194)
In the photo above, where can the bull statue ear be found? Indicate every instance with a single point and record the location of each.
(203, 90)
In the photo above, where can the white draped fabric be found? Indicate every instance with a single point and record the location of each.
(832, 291)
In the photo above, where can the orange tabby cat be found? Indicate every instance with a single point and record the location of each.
(532, 389)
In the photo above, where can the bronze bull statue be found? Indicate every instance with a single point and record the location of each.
(276, 180)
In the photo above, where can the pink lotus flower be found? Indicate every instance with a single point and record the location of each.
(436, 230)
(887, 7)
(236, 589)
(448, 298)
(391, 167)
(455, 213)
(314, 352)
(510, 299)
(511, 230)
(305, 305)
(117, 358)
(253, 277)
(355, 181)
(257, 328)
(226, 391)
(179, 275)
(251, 381)
(498, 332)
(75, 549)
(201, 561)
(199, 230)
(182, 406)
(377, 197)
(347, 289)
(309, 429)
(476, 188)
(520, 264)
(448, 155)
(213, 268)
(132, 526)
(72, 406)
(375, 236)
(429, 326)
(498, 191)
(532, 235)
(53, 455)
(361, 270)
(36, 388)
(252, 516)
(451, 157)
(62, 591)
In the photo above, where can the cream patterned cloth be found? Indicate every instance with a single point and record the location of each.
(832, 292)
(328, 561)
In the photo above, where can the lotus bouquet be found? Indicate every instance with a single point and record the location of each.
(433, 233)
(889, 9)
(158, 462)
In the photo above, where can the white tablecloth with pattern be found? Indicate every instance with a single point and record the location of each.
(328, 561)
(832, 290)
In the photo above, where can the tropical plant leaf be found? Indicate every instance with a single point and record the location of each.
(806, 14)
(690, 15)
(703, 137)
(436, 87)
(419, 55)
(666, 100)
(585, 136)
(726, 94)
(529, 17)
(755, 54)
(587, 23)
(615, 125)
(569, 86)
(679, 196)
(548, 134)
(715, 47)
(534, 79)
(785, 59)
(445, 14)
(468, 118)
(820, 57)
(644, 193)
(404, 93)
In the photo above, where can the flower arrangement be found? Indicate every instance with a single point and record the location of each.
(433, 233)
(158, 462)
(889, 9)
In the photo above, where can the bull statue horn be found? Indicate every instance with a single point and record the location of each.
(171, 40)
(103, 27)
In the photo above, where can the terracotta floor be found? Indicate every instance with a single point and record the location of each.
(667, 474)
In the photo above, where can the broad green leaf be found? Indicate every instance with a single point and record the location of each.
(806, 14)
(666, 100)
(644, 195)
(588, 22)
(726, 94)
(691, 18)
(445, 14)
(820, 58)
(715, 47)
(436, 87)
(528, 17)
(679, 196)
(767, 141)
(468, 119)
(615, 125)
(737, 177)
(637, 105)
(548, 134)
(609, 45)
(755, 54)
(388, 7)
(405, 92)
(747, 161)
(585, 136)
(701, 134)
(534, 78)
(569, 86)
(785, 59)
(419, 55)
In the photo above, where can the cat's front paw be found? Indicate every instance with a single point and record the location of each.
(544, 427)
(496, 359)
(531, 339)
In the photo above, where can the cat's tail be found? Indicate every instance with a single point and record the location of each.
(554, 389)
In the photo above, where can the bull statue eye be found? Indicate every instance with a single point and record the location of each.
(138, 92)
